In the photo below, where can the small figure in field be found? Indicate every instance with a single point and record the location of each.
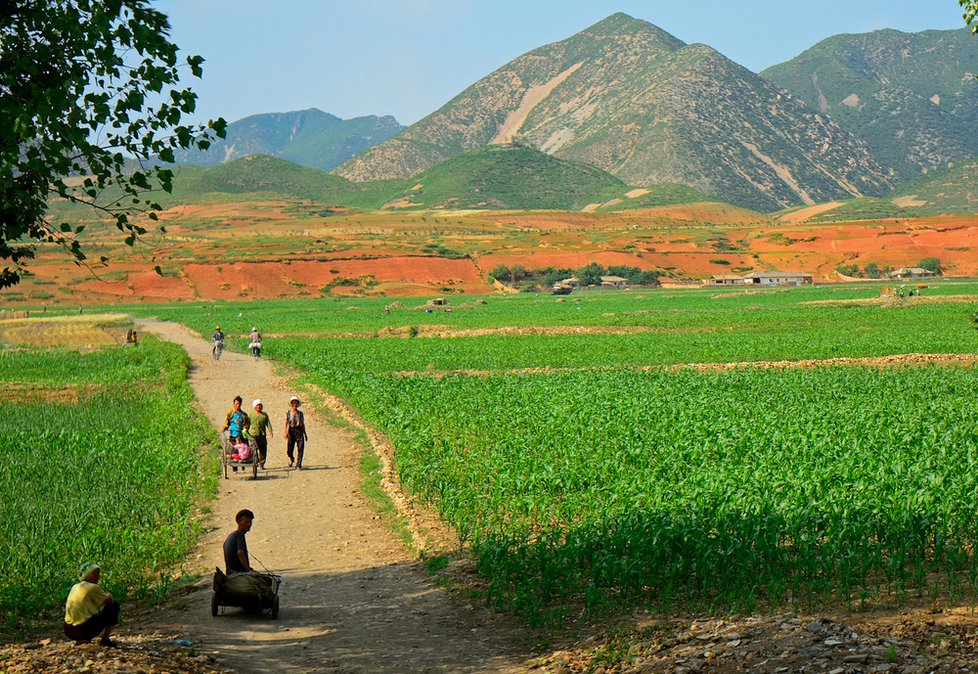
(237, 422)
(295, 432)
(236, 558)
(90, 609)
(255, 344)
(387, 308)
(131, 337)
(260, 430)
(217, 339)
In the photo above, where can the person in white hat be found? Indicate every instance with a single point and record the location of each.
(90, 609)
(260, 425)
(295, 432)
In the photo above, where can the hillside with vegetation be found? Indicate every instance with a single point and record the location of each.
(311, 138)
(911, 97)
(632, 100)
(511, 177)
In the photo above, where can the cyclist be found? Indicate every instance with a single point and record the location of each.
(218, 340)
(255, 344)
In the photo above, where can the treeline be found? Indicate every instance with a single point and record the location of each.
(873, 270)
(531, 280)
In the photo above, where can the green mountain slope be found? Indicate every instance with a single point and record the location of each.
(262, 174)
(310, 137)
(912, 97)
(491, 178)
(634, 101)
(511, 177)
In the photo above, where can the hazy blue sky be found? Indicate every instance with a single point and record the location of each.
(408, 57)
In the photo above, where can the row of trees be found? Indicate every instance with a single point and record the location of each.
(873, 270)
(519, 276)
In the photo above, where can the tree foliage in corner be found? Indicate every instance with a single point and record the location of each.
(970, 13)
(89, 99)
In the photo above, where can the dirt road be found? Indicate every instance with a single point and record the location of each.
(353, 598)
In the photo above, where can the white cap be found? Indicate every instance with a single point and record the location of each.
(255, 329)
(256, 402)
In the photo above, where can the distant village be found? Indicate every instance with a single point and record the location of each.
(757, 278)
(780, 278)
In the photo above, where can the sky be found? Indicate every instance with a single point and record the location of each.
(407, 58)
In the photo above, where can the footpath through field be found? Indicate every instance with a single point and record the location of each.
(353, 599)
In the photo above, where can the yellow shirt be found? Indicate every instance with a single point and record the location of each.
(84, 601)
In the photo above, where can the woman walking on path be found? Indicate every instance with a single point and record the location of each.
(260, 425)
(295, 432)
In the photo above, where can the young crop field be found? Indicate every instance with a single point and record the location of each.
(585, 463)
(102, 461)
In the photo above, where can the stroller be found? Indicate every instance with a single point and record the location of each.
(231, 457)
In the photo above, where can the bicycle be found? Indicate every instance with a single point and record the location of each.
(218, 348)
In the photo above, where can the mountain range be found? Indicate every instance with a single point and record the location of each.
(853, 116)
(912, 97)
(633, 100)
(309, 137)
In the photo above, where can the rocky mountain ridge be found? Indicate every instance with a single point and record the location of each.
(912, 97)
(629, 98)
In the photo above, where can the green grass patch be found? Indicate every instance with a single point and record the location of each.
(113, 478)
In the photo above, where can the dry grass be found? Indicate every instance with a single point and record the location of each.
(67, 331)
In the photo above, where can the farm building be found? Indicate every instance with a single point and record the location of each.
(911, 272)
(724, 280)
(778, 278)
(613, 281)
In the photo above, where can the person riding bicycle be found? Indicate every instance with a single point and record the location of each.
(217, 339)
(255, 344)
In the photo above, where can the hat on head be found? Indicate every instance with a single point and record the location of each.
(86, 569)
(296, 399)
(254, 329)
(256, 402)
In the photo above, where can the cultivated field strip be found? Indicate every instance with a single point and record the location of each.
(103, 462)
(735, 449)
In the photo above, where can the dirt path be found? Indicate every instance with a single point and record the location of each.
(353, 599)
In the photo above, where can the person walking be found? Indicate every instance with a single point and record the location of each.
(237, 422)
(295, 432)
(90, 609)
(260, 426)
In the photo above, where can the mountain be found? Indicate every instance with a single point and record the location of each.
(491, 178)
(912, 97)
(261, 174)
(632, 100)
(311, 138)
(510, 177)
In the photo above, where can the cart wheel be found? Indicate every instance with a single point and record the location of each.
(214, 604)
(275, 608)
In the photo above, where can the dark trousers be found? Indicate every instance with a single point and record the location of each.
(296, 445)
(262, 442)
(91, 628)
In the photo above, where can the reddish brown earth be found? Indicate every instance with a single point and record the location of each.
(269, 250)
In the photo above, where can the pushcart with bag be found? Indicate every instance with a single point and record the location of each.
(253, 591)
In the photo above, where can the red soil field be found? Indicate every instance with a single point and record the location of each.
(277, 254)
